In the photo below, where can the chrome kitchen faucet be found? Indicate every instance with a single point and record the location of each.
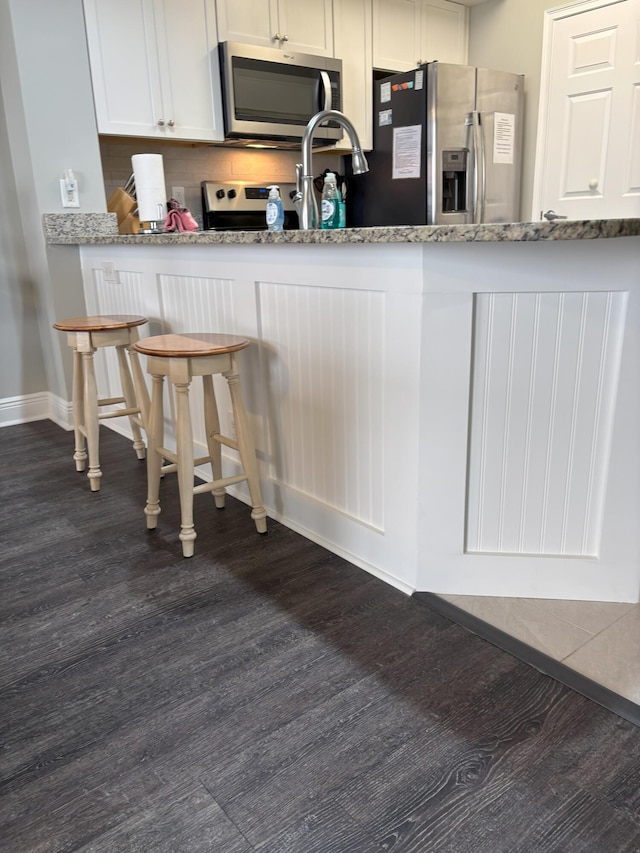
(309, 214)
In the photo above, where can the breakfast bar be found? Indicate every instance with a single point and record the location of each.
(453, 409)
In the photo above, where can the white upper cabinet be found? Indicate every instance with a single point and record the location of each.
(352, 20)
(152, 69)
(407, 33)
(302, 25)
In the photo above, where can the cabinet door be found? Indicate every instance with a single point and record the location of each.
(306, 25)
(124, 67)
(444, 32)
(248, 21)
(396, 34)
(186, 38)
(152, 70)
(353, 39)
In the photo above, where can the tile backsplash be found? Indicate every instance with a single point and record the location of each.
(187, 164)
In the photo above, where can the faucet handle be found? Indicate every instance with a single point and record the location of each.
(298, 177)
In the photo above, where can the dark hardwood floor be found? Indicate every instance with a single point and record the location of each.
(264, 695)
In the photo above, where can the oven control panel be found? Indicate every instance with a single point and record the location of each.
(242, 196)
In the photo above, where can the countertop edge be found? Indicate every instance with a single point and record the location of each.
(102, 229)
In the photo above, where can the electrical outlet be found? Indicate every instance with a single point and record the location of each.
(69, 193)
(109, 271)
(178, 194)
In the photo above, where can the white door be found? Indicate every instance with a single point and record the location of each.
(588, 152)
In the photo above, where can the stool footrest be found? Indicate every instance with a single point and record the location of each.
(120, 413)
(216, 484)
(228, 442)
(110, 401)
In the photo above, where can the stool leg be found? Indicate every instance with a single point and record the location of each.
(91, 423)
(184, 440)
(80, 452)
(155, 437)
(212, 426)
(246, 447)
(130, 400)
(140, 388)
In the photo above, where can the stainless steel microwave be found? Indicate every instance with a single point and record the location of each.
(271, 94)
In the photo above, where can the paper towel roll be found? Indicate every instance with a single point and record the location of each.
(148, 171)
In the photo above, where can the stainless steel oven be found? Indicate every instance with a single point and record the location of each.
(242, 206)
(271, 94)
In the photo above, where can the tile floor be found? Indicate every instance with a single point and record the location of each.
(601, 640)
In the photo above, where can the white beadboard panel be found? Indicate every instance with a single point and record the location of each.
(327, 429)
(127, 294)
(543, 396)
(208, 308)
(203, 304)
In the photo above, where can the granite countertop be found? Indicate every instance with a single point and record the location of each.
(101, 229)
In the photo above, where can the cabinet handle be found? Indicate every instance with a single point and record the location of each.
(171, 123)
(276, 37)
(160, 122)
(284, 38)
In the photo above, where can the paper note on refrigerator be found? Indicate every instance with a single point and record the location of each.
(504, 128)
(406, 151)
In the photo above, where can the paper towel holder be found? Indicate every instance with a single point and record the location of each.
(154, 226)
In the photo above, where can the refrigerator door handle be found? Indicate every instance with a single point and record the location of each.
(479, 169)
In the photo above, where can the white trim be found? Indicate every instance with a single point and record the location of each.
(20, 410)
(329, 546)
(61, 412)
(551, 16)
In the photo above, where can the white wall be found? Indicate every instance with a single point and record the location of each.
(507, 35)
(50, 126)
(21, 362)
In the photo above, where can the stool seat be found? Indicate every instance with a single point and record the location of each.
(180, 357)
(99, 323)
(85, 335)
(192, 345)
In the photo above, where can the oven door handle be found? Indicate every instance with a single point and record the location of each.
(324, 91)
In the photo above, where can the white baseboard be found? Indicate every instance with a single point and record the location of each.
(61, 412)
(35, 407)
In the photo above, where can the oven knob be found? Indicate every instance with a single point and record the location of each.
(231, 194)
(219, 193)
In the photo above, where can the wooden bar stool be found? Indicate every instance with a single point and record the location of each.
(180, 358)
(85, 335)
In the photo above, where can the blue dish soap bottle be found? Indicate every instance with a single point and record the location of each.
(275, 211)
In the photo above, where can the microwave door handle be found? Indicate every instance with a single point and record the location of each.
(325, 99)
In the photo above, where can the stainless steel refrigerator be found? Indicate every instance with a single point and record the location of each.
(447, 148)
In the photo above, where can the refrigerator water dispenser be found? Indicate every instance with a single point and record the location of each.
(454, 180)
